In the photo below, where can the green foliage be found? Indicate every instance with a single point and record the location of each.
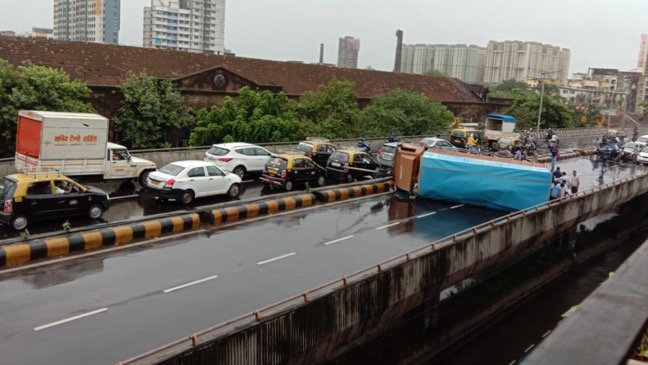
(331, 111)
(508, 89)
(555, 112)
(405, 113)
(150, 107)
(35, 88)
(254, 116)
(435, 72)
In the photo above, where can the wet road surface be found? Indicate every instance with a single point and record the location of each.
(133, 300)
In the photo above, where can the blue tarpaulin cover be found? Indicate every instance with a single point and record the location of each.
(493, 184)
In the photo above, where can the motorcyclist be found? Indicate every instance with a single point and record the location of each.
(363, 145)
(471, 143)
(392, 138)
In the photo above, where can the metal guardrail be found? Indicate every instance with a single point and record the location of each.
(297, 299)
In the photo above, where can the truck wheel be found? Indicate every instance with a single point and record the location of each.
(142, 178)
(96, 211)
(240, 171)
(187, 197)
(20, 222)
(234, 191)
(321, 181)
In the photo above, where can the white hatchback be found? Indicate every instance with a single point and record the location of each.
(238, 157)
(186, 180)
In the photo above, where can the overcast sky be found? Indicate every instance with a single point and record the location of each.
(599, 33)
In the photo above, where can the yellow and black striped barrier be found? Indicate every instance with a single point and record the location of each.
(338, 194)
(86, 241)
(271, 206)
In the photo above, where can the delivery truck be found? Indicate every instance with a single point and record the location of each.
(74, 144)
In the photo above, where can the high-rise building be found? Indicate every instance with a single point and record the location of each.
(87, 20)
(465, 62)
(525, 60)
(643, 54)
(185, 25)
(348, 52)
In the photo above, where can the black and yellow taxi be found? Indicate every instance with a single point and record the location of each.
(317, 149)
(41, 196)
(509, 143)
(289, 170)
(459, 136)
(349, 164)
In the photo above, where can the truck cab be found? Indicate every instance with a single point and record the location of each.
(498, 126)
(121, 165)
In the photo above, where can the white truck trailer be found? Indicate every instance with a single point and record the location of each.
(74, 144)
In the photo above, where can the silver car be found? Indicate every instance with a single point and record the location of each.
(386, 154)
(433, 142)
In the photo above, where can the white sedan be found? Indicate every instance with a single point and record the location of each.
(186, 180)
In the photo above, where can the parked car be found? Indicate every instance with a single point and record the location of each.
(287, 171)
(433, 142)
(187, 180)
(631, 150)
(238, 157)
(459, 136)
(317, 149)
(42, 196)
(350, 164)
(386, 154)
(642, 156)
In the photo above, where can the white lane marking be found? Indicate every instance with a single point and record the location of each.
(70, 319)
(189, 284)
(387, 226)
(425, 215)
(338, 240)
(276, 258)
(546, 334)
(457, 206)
(529, 348)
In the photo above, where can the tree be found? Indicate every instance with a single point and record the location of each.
(254, 116)
(508, 89)
(555, 113)
(36, 88)
(435, 72)
(331, 111)
(405, 113)
(150, 106)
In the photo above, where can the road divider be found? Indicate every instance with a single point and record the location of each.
(344, 193)
(250, 210)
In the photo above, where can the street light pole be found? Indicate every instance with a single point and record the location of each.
(540, 109)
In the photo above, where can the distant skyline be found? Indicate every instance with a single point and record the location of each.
(599, 33)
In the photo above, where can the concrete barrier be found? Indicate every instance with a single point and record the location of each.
(345, 193)
(62, 245)
(270, 206)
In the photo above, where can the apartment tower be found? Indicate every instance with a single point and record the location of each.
(525, 60)
(87, 20)
(643, 54)
(348, 52)
(465, 62)
(185, 25)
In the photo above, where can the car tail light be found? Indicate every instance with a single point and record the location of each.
(225, 159)
(284, 174)
(169, 183)
(380, 152)
(8, 206)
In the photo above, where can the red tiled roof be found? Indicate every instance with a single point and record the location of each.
(102, 64)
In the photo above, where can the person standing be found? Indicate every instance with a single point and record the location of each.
(574, 182)
(472, 142)
(554, 156)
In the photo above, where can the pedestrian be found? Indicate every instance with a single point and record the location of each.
(554, 156)
(472, 143)
(556, 191)
(574, 182)
(564, 179)
(557, 174)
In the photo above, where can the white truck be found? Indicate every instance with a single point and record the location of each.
(74, 144)
(499, 126)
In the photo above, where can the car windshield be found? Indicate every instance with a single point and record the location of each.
(277, 163)
(218, 151)
(306, 147)
(171, 169)
(388, 149)
(340, 157)
(6, 186)
(458, 134)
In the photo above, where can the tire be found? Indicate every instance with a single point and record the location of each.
(234, 191)
(240, 171)
(96, 211)
(349, 178)
(20, 222)
(288, 185)
(187, 197)
(143, 176)
(321, 181)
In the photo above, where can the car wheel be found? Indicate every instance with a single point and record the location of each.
(240, 171)
(96, 211)
(19, 222)
(349, 178)
(234, 190)
(187, 197)
(142, 178)
(321, 181)
(288, 185)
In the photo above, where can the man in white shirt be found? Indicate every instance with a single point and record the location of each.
(574, 182)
